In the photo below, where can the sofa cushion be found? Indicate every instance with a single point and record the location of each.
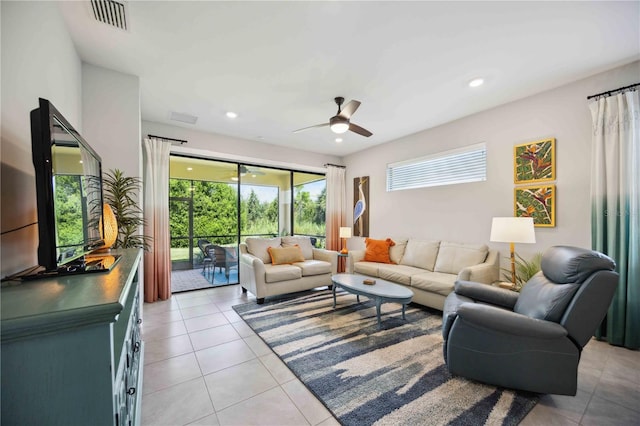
(258, 247)
(285, 255)
(398, 273)
(303, 242)
(275, 273)
(396, 252)
(421, 254)
(453, 257)
(434, 282)
(366, 268)
(314, 267)
(378, 250)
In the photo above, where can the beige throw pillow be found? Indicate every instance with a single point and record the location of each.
(453, 257)
(396, 252)
(303, 242)
(259, 246)
(421, 254)
(285, 255)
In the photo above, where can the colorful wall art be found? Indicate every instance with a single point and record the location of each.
(534, 161)
(360, 206)
(538, 202)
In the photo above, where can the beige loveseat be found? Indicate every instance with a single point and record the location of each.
(262, 278)
(430, 268)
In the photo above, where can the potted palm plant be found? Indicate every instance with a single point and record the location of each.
(120, 192)
(525, 269)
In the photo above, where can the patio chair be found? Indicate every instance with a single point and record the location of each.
(224, 257)
(206, 258)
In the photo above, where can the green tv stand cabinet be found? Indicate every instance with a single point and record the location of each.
(71, 348)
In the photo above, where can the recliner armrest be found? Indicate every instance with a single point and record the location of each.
(504, 321)
(487, 293)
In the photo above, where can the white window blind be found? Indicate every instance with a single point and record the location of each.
(468, 164)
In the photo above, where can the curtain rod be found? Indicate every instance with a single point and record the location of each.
(168, 139)
(611, 92)
(335, 165)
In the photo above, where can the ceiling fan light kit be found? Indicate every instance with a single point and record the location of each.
(340, 122)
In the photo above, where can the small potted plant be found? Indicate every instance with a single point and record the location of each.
(120, 192)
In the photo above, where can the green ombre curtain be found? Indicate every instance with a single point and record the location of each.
(615, 208)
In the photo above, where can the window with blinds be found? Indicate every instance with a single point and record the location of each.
(468, 164)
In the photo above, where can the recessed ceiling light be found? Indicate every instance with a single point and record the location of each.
(231, 114)
(338, 140)
(476, 82)
(234, 178)
(189, 168)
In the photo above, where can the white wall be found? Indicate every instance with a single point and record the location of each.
(38, 60)
(210, 145)
(463, 212)
(111, 118)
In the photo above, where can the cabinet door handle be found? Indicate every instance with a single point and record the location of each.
(136, 346)
(131, 391)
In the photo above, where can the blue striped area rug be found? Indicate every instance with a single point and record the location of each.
(394, 375)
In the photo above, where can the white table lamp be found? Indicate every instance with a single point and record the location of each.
(345, 232)
(512, 230)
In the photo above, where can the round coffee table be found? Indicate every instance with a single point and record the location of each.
(381, 292)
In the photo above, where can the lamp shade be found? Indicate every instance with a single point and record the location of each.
(345, 232)
(110, 226)
(512, 230)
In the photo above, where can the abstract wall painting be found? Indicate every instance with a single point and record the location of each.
(534, 161)
(538, 202)
(360, 209)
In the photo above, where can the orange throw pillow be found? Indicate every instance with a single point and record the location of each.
(285, 255)
(378, 250)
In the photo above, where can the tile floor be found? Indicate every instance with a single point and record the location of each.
(205, 366)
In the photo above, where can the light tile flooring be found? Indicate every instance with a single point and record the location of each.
(205, 366)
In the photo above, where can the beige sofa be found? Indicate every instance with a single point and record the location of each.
(430, 268)
(262, 278)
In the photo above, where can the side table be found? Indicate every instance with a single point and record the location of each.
(343, 263)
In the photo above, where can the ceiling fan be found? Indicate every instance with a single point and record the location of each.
(246, 170)
(340, 122)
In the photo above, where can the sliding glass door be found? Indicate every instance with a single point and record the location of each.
(221, 204)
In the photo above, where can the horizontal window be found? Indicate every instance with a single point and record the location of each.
(468, 164)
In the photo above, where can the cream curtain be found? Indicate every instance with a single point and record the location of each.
(336, 204)
(615, 207)
(157, 261)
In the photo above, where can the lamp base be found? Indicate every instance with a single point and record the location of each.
(344, 251)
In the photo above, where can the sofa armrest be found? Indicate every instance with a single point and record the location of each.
(327, 256)
(486, 272)
(252, 274)
(354, 256)
(486, 293)
(507, 322)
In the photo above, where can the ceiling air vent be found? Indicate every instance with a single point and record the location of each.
(184, 118)
(110, 12)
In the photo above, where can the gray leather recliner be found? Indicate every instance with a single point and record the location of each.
(530, 340)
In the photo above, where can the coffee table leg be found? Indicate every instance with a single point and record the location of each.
(334, 295)
(378, 303)
(403, 306)
(358, 298)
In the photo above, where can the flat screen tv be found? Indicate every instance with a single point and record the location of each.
(69, 192)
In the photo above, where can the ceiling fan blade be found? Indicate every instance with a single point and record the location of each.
(311, 127)
(359, 130)
(349, 109)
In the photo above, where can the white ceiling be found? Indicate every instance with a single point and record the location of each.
(280, 64)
